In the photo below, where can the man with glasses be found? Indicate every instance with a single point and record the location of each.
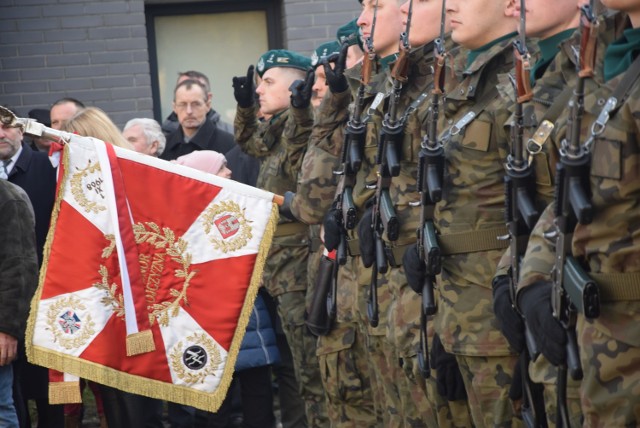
(191, 104)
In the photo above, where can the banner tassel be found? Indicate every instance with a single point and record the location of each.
(140, 343)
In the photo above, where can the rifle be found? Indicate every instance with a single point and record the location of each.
(383, 215)
(573, 206)
(521, 216)
(429, 184)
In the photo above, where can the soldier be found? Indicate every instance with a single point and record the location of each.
(553, 77)
(285, 271)
(605, 343)
(344, 365)
(469, 218)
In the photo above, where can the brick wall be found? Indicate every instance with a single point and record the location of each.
(96, 51)
(309, 23)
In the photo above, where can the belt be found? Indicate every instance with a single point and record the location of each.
(395, 254)
(617, 287)
(286, 229)
(354, 247)
(473, 242)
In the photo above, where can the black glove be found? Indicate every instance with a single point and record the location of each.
(366, 238)
(414, 268)
(448, 377)
(551, 337)
(285, 208)
(243, 89)
(515, 390)
(332, 229)
(301, 90)
(335, 76)
(510, 322)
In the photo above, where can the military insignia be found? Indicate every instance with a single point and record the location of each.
(314, 59)
(261, 65)
(163, 247)
(232, 227)
(69, 322)
(282, 60)
(270, 60)
(86, 188)
(69, 326)
(195, 359)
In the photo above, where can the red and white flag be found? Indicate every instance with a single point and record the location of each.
(149, 276)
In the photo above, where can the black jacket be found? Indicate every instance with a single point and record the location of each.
(34, 173)
(209, 137)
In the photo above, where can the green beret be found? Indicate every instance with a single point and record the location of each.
(323, 50)
(349, 33)
(282, 58)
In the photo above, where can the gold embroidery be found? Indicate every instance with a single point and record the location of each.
(231, 212)
(70, 331)
(165, 239)
(78, 185)
(203, 347)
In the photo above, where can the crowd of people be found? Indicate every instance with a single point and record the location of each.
(458, 244)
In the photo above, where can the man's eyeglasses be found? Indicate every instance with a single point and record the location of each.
(195, 105)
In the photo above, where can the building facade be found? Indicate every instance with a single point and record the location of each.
(123, 55)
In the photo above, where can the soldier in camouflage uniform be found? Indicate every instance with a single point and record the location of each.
(469, 218)
(285, 274)
(344, 366)
(608, 344)
(552, 76)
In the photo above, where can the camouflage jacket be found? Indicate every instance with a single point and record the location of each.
(473, 205)
(286, 266)
(316, 185)
(18, 259)
(537, 264)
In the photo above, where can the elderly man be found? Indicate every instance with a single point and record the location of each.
(191, 104)
(145, 135)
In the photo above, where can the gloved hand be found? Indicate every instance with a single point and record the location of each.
(332, 229)
(448, 377)
(243, 89)
(301, 90)
(511, 323)
(551, 337)
(285, 208)
(414, 268)
(335, 76)
(366, 238)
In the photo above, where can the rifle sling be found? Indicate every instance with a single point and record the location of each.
(473, 242)
(617, 287)
(622, 90)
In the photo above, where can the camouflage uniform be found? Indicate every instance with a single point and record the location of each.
(344, 366)
(420, 397)
(536, 264)
(608, 344)
(285, 273)
(471, 210)
(386, 371)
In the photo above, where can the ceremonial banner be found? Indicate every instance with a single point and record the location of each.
(149, 276)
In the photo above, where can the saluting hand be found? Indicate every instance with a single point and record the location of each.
(301, 90)
(244, 90)
(335, 76)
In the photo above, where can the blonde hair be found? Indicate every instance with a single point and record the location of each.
(94, 122)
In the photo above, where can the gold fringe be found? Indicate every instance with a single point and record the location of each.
(31, 321)
(148, 387)
(140, 343)
(64, 392)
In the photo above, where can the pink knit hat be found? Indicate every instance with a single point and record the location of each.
(203, 160)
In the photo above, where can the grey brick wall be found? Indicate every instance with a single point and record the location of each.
(308, 23)
(96, 50)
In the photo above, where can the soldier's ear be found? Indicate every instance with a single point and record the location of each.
(510, 9)
(209, 98)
